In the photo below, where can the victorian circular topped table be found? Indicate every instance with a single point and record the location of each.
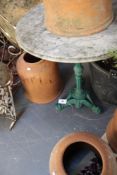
(35, 39)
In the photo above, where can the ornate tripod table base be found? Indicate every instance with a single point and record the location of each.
(78, 96)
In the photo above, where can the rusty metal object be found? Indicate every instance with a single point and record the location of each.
(9, 55)
(8, 81)
(7, 106)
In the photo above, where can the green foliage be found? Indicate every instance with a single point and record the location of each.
(113, 56)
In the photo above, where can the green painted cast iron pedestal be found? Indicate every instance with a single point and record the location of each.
(78, 96)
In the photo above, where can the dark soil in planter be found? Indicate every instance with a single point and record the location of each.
(82, 159)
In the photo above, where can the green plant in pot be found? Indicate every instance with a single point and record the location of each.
(104, 78)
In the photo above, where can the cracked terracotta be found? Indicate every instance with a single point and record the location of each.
(77, 17)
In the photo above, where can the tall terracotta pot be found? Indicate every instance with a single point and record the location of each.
(73, 144)
(111, 132)
(41, 79)
(77, 18)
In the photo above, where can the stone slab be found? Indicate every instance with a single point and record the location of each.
(35, 39)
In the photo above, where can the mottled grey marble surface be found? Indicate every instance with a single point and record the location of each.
(34, 38)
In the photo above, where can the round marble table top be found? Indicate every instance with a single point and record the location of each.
(35, 39)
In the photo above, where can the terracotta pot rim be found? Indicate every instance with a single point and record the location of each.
(80, 137)
(29, 63)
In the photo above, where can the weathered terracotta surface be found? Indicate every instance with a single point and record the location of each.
(41, 79)
(56, 158)
(111, 132)
(76, 18)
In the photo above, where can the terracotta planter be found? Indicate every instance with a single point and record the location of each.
(77, 18)
(111, 133)
(73, 144)
(41, 79)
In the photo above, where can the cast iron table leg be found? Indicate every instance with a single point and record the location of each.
(78, 96)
